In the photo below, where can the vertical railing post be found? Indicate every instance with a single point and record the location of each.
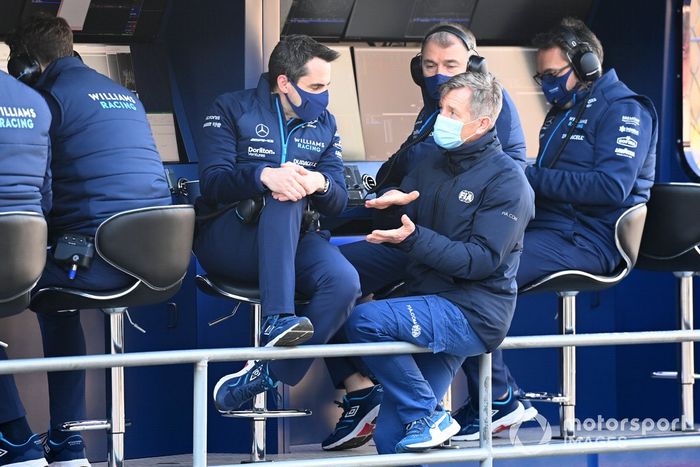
(199, 415)
(485, 439)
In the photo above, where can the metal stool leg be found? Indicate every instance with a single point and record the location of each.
(687, 352)
(117, 416)
(257, 453)
(568, 367)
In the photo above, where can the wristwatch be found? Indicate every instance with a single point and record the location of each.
(326, 185)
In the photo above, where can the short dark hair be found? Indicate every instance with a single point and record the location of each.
(45, 37)
(555, 37)
(290, 55)
(445, 38)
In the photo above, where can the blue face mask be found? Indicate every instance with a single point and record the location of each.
(447, 132)
(554, 89)
(433, 83)
(312, 105)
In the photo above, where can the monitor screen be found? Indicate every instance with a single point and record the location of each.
(428, 13)
(384, 20)
(320, 19)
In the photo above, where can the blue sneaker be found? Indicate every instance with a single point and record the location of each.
(504, 414)
(428, 432)
(356, 424)
(286, 330)
(68, 453)
(235, 389)
(29, 454)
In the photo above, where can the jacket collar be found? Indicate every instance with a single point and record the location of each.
(264, 93)
(467, 155)
(56, 67)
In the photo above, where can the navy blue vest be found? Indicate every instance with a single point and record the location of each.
(104, 158)
(24, 147)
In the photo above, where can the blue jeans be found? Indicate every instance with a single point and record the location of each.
(413, 384)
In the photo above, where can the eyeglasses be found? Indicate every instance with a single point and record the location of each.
(538, 77)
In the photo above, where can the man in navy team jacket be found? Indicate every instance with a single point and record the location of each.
(447, 50)
(462, 229)
(606, 167)
(276, 147)
(104, 161)
(25, 185)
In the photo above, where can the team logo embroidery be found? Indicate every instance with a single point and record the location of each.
(262, 130)
(466, 196)
(415, 328)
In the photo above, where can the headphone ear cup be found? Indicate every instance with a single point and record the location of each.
(25, 68)
(588, 67)
(477, 64)
(417, 70)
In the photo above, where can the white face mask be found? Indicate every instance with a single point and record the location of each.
(447, 132)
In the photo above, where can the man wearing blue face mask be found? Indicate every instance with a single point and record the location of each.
(461, 221)
(268, 156)
(596, 159)
(446, 50)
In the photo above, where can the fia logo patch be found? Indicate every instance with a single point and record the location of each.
(466, 196)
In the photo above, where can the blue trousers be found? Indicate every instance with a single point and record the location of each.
(413, 384)
(544, 252)
(274, 254)
(62, 335)
(378, 266)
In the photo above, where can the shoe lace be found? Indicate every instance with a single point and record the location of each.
(248, 391)
(345, 405)
(416, 427)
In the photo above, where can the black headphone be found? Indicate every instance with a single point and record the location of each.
(476, 63)
(24, 66)
(583, 59)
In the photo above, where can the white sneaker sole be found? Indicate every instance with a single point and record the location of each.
(225, 380)
(439, 437)
(367, 419)
(29, 463)
(513, 418)
(295, 335)
(529, 415)
(71, 463)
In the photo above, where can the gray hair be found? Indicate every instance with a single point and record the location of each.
(487, 94)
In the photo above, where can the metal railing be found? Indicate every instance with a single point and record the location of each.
(485, 453)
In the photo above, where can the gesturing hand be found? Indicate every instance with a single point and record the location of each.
(393, 235)
(392, 198)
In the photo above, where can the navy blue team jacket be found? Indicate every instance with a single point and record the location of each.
(25, 179)
(104, 159)
(508, 128)
(474, 205)
(607, 166)
(245, 131)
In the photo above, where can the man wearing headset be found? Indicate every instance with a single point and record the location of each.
(446, 50)
(277, 146)
(24, 186)
(461, 220)
(104, 161)
(596, 159)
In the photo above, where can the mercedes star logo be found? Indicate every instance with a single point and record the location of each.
(262, 130)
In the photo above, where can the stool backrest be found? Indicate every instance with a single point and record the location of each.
(673, 227)
(151, 244)
(628, 234)
(23, 253)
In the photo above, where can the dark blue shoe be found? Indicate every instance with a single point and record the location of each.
(235, 389)
(286, 330)
(356, 424)
(29, 454)
(68, 453)
(428, 432)
(504, 414)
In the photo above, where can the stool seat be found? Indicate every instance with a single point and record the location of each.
(628, 234)
(244, 292)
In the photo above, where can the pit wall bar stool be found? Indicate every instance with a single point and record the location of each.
(671, 243)
(153, 246)
(567, 284)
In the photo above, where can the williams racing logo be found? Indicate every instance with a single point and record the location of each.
(466, 196)
(310, 144)
(113, 100)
